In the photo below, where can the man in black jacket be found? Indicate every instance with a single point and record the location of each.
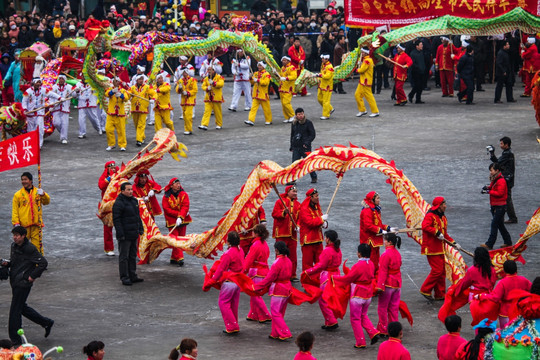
(302, 134)
(465, 70)
(418, 70)
(26, 265)
(128, 225)
(507, 162)
(504, 74)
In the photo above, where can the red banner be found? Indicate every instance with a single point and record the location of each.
(397, 13)
(20, 151)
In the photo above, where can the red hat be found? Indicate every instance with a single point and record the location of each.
(289, 188)
(371, 195)
(143, 172)
(108, 163)
(171, 182)
(437, 202)
(311, 192)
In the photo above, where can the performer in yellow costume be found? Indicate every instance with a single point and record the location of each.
(213, 85)
(139, 107)
(260, 80)
(187, 87)
(286, 88)
(326, 86)
(163, 107)
(363, 91)
(116, 113)
(27, 209)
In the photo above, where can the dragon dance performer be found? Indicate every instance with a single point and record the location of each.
(363, 91)
(247, 235)
(444, 61)
(400, 74)
(163, 108)
(213, 98)
(88, 108)
(283, 228)
(261, 80)
(298, 57)
(434, 234)
(311, 221)
(210, 62)
(102, 114)
(140, 72)
(175, 204)
(389, 282)
(241, 69)
(139, 107)
(531, 62)
(229, 295)
(360, 277)
(287, 76)
(278, 279)
(145, 187)
(326, 86)
(187, 87)
(103, 182)
(184, 66)
(327, 266)
(116, 114)
(256, 267)
(60, 112)
(371, 224)
(33, 98)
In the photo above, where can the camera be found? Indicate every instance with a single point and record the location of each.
(485, 190)
(7, 261)
(490, 149)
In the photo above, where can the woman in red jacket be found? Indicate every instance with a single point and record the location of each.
(498, 192)
(327, 266)
(256, 267)
(279, 281)
(389, 282)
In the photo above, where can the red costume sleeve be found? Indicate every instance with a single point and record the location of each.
(311, 218)
(384, 264)
(279, 210)
(251, 256)
(324, 262)
(270, 277)
(223, 266)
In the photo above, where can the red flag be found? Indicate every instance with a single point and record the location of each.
(20, 151)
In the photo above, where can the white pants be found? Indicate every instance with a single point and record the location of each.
(61, 122)
(92, 115)
(240, 86)
(150, 115)
(102, 118)
(32, 123)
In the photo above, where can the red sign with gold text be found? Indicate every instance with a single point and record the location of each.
(398, 13)
(20, 151)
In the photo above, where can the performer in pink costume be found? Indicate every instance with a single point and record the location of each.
(256, 267)
(328, 265)
(361, 279)
(389, 282)
(232, 260)
(278, 278)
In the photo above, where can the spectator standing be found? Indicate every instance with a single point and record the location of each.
(418, 70)
(508, 166)
(466, 72)
(302, 135)
(339, 49)
(504, 74)
(498, 193)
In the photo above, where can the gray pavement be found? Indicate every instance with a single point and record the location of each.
(440, 145)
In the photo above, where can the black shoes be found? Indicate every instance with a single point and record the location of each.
(313, 181)
(136, 280)
(420, 102)
(331, 327)
(181, 263)
(374, 339)
(511, 221)
(127, 282)
(48, 328)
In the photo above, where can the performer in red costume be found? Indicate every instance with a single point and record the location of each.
(392, 349)
(278, 279)
(103, 182)
(361, 279)
(229, 295)
(256, 267)
(530, 58)
(389, 282)
(434, 234)
(298, 57)
(284, 229)
(444, 61)
(311, 221)
(175, 204)
(145, 187)
(371, 225)
(327, 266)
(400, 74)
(247, 236)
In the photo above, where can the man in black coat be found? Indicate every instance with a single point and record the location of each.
(479, 61)
(418, 70)
(504, 74)
(465, 70)
(507, 162)
(26, 265)
(302, 134)
(128, 225)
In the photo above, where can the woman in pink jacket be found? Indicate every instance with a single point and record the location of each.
(233, 261)
(256, 267)
(278, 278)
(328, 265)
(389, 282)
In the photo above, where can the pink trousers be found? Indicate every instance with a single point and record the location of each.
(388, 308)
(329, 318)
(257, 308)
(360, 320)
(278, 306)
(229, 297)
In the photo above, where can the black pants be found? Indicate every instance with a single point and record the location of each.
(507, 83)
(381, 77)
(298, 153)
(127, 259)
(479, 75)
(469, 90)
(418, 81)
(497, 224)
(20, 308)
(339, 87)
(510, 206)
